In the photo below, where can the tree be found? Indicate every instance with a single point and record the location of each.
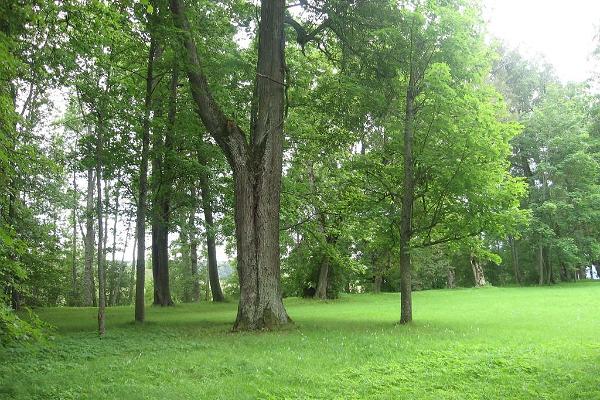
(256, 164)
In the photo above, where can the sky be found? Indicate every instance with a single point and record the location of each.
(561, 31)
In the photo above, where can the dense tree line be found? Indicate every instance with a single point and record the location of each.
(331, 146)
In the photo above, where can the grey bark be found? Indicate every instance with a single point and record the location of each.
(478, 274)
(256, 165)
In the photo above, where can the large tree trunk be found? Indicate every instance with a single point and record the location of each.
(140, 269)
(321, 292)
(162, 172)
(89, 287)
(478, 275)
(209, 225)
(407, 204)
(256, 166)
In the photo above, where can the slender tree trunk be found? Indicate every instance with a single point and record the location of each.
(133, 267)
(541, 263)
(112, 293)
(101, 252)
(89, 287)
(140, 270)
(451, 278)
(515, 259)
(194, 254)
(407, 204)
(211, 246)
(477, 271)
(256, 166)
(74, 292)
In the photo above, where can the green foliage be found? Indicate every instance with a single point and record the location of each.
(18, 329)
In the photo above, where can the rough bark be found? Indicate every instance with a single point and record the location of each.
(89, 287)
(140, 269)
(321, 291)
(478, 275)
(162, 172)
(256, 166)
(407, 204)
(209, 225)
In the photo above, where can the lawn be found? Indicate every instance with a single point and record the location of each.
(490, 343)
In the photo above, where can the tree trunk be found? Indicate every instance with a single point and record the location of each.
(133, 269)
(101, 253)
(162, 172)
(477, 272)
(140, 269)
(209, 225)
(256, 166)
(407, 204)
(321, 292)
(451, 278)
(74, 287)
(541, 263)
(89, 287)
(515, 259)
(112, 293)
(377, 281)
(194, 254)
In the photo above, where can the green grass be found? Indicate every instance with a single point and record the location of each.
(491, 343)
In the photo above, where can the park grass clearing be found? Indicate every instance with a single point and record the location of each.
(490, 343)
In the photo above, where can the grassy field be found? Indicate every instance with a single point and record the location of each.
(491, 343)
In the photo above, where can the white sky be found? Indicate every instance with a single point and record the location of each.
(561, 31)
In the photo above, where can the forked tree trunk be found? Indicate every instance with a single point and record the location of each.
(163, 176)
(140, 268)
(477, 271)
(89, 287)
(256, 165)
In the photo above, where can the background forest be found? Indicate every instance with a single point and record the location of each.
(415, 154)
